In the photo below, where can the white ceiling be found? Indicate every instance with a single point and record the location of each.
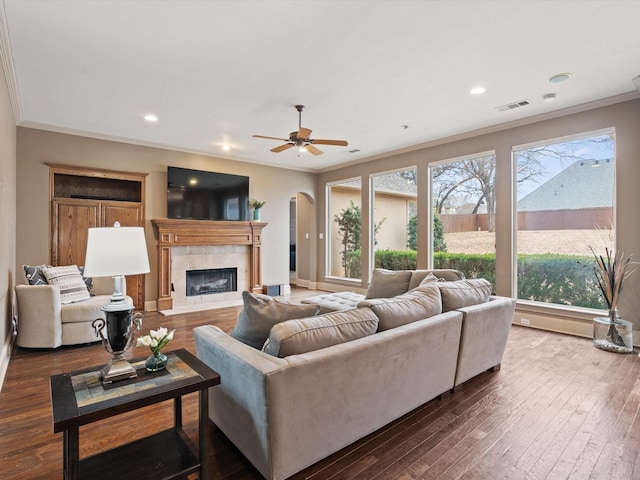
(217, 72)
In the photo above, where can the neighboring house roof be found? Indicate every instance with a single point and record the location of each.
(579, 185)
(390, 183)
(395, 184)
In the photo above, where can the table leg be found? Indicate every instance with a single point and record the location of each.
(177, 412)
(203, 434)
(71, 453)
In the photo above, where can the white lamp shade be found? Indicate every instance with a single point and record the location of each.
(114, 251)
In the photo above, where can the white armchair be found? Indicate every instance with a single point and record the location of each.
(44, 322)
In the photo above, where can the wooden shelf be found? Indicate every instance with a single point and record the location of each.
(165, 455)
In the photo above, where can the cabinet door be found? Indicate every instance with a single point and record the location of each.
(71, 220)
(128, 215)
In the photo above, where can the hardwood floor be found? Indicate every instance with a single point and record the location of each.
(558, 409)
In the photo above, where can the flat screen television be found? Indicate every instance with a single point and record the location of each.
(200, 195)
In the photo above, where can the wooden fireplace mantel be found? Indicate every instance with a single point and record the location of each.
(186, 233)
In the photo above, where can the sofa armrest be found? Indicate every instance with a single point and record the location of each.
(243, 371)
(485, 331)
(39, 321)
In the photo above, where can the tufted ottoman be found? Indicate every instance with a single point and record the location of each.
(331, 302)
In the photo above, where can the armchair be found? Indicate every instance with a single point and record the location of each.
(45, 322)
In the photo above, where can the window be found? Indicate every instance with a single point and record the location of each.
(393, 208)
(463, 215)
(565, 195)
(344, 228)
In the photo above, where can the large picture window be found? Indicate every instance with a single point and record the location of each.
(565, 193)
(463, 215)
(344, 215)
(393, 219)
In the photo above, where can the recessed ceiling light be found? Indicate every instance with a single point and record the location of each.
(302, 149)
(559, 77)
(477, 90)
(193, 181)
(549, 97)
(226, 148)
(151, 118)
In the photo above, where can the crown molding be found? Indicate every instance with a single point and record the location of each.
(7, 65)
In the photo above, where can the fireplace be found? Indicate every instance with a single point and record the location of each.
(186, 245)
(211, 281)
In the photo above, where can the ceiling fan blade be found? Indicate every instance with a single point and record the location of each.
(282, 147)
(341, 143)
(312, 149)
(271, 138)
(303, 133)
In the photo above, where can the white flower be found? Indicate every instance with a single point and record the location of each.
(156, 340)
(160, 333)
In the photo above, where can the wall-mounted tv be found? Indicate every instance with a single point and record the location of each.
(200, 195)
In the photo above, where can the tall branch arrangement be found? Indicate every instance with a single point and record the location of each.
(611, 271)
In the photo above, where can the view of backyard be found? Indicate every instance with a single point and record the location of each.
(563, 242)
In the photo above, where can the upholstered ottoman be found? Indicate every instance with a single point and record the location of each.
(331, 302)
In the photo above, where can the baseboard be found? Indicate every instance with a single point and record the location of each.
(5, 356)
(571, 323)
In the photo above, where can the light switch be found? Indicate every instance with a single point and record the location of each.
(321, 236)
(306, 235)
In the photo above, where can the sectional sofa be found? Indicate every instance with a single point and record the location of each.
(322, 382)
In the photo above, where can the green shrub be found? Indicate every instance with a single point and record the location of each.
(396, 259)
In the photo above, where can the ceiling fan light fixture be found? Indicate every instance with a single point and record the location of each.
(302, 149)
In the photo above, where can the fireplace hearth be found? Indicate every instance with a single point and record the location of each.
(211, 281)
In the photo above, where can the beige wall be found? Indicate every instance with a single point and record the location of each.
(624, 117)
(36, 147)
(8, 221)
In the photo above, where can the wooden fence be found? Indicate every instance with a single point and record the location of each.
(578, 219)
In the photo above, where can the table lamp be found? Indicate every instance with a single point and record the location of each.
(115, 252)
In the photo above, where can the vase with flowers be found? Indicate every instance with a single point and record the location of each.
(156, 341)
(256, 205)
(612, 333)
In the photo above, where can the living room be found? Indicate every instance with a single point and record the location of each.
(29, 146)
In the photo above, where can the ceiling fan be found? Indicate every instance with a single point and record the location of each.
(301, 138)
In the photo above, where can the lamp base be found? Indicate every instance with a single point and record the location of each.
(117, 369)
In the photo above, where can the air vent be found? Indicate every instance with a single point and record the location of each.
(511, 106)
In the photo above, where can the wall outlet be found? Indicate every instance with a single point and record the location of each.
(525, 321)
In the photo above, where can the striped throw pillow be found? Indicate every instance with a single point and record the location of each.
(69, 280)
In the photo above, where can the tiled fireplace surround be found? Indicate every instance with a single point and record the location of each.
(193, 245)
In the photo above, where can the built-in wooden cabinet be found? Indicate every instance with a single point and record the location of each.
(82, 198)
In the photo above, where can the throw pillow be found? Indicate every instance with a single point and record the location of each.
(34, 274)
(70, 282)
(388, 283)
(261, 312)
(440, 273)
(463, 293)
(88, 281)
(417, 304)
(308, 334)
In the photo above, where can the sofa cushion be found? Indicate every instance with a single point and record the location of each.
(388, 283)
(308, 334)
(261, 312)
(34, 274)
(70, 282)
(463, 293)
(86, 311)
(417, 304)
(446, 274)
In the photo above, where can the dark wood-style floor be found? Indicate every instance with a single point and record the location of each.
(558, 409)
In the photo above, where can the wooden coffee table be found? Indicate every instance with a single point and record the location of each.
(79, 398)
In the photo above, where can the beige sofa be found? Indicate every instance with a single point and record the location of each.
(285, 414)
